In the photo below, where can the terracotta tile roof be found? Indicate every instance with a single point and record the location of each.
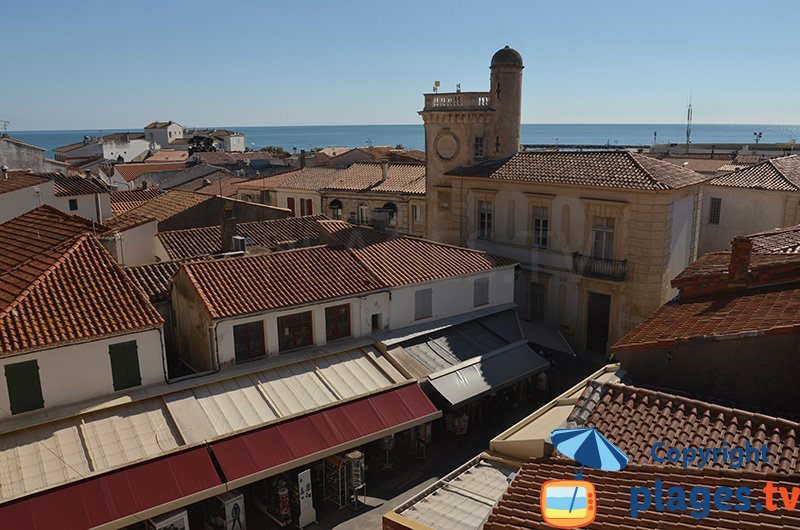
(777, 174)
(422, 260)
(701, 165)
(714, 266)
(130, 171)
(779, 240)
(308, 178)
(363, 176)
(634, 418)
(610, 169)
(17, 180)
(767, 310)
(221, 182)
(519, 509)
(252, 284)
(70, 186)
(124, 200)
(154, 279)
(206, 241)
(25, 237)
(217, 158)
(160, 208)
(69, 293)
(168, 155)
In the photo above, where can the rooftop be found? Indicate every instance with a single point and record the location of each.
(168, 155)
(518, 509)
(309, 178)
(608, 169)
(154, 279)
(160, 208)
(19, 179)
(368, 176)
(776, 174)
(124, 200)
(221, 182)
(29, 235)
(130, 171)
(70, 186)
(777, 241)
(63, 295)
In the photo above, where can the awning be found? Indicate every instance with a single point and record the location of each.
(118, 498)
(477, 377)
(271, 450)
(547, 337)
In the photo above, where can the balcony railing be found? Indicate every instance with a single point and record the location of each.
(607, 269)
(458, 101)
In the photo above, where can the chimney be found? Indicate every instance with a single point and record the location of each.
(302, 158)
(87, 173)
(741, 250)
(228, 228)
(4, 169)
(384, 170)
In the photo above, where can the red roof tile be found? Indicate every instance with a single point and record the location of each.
(70, 186)
(253, 284)
(25, 237)
(776, 174)
(363, 176)
(17, 180)
(612, 169)
(779, 240)
(309, 178)
(160, 208)
(634, 418)
(69, 293)
(168, 155)
(124, 200)
(130, 171)
(519, 509)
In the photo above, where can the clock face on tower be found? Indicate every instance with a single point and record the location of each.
(446, 146)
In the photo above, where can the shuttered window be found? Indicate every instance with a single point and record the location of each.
(125, 365)
(481, 294)
(24, 387)
(423, 304)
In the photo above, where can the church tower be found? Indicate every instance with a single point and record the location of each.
(466, 128)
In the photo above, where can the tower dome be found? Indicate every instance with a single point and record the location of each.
(507, 57)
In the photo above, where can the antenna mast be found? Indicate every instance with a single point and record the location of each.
(689, 123)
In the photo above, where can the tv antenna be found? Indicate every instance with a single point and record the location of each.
(436, 85)
(4, 124)
(689, 123)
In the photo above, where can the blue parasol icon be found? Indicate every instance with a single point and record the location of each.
(590, 448)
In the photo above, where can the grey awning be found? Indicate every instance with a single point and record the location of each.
(477, 377)
(547, 337)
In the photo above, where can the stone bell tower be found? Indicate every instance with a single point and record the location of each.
(466, 128)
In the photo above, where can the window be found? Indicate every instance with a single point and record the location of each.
(335, 207)
(125, 365)
(484, 219)
(306, 207)
(416, 213)
(363, 214)
(73, 205)
(540, 222)
(248, 341)
(480, 292)
(290, 205)
(423, 304)
(391, 209)
(716, 210)
(478, 150)
(24, 387)
(538, 291)
(337, 322)
(603, 237)
(376, 322)
(295, 331)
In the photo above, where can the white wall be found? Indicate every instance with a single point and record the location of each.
(86, 206)
(137, 246)
(743, 212)
(451, 296)
(17, 202)
(82, 371)
(129, 150)
(680, 247)
(361, 311)
(234, 143)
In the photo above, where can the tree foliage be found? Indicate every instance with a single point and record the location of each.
(201, 144)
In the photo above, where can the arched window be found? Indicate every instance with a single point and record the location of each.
(335, 206)
(363, 214)
(391, 208)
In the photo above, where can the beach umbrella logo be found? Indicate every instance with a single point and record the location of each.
(573, 503)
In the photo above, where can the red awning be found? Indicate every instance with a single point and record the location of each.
(114, 496)
(330, 430)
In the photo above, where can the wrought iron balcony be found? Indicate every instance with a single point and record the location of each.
(607, 269)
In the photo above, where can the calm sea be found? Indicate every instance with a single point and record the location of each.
(412, 136)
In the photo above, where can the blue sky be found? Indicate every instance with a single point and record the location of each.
(100, 64)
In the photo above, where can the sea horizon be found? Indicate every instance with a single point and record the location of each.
(308, 137)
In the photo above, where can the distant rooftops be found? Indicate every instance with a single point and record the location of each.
(775, 174)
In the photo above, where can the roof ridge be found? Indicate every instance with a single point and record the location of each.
(655, 181)
(782, 174)
(706, 404)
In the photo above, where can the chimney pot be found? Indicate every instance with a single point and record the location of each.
(384, 170)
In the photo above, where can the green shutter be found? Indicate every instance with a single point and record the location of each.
(24, 387)
(125, 365)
